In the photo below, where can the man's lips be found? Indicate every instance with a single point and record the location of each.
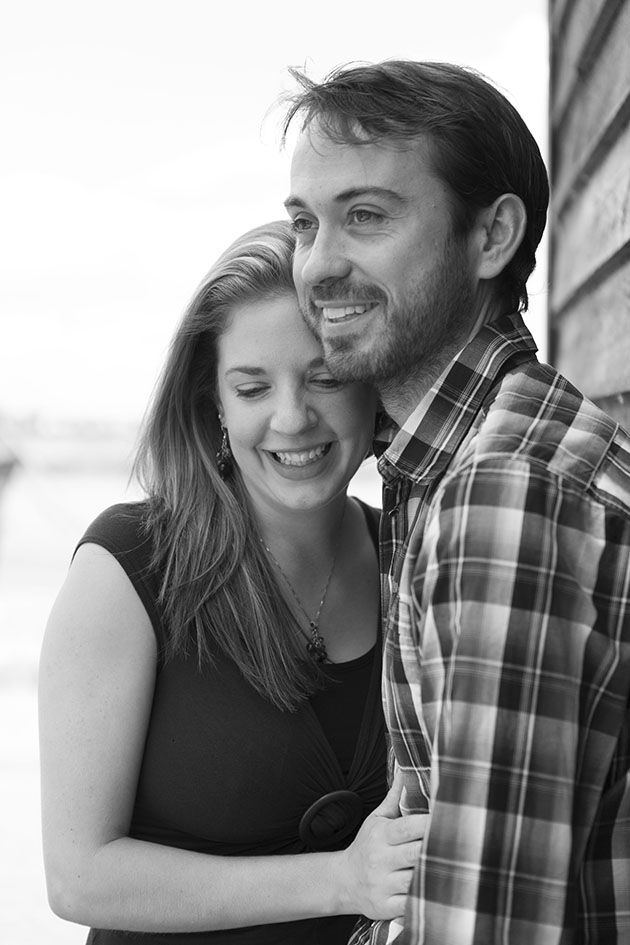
(336, 312)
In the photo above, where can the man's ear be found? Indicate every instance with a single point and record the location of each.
(500, 228)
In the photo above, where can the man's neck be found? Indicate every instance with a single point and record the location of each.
(401, 395)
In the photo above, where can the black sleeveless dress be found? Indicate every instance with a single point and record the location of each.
(225, 772)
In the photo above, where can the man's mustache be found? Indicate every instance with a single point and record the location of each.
(346, 291)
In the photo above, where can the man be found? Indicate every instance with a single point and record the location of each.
(419, 197)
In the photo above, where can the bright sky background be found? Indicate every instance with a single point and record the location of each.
(135, 148)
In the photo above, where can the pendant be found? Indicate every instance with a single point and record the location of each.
(317, 646)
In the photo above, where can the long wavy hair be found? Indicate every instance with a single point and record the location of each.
(219, 592)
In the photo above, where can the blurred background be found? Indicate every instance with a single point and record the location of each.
(139, 139)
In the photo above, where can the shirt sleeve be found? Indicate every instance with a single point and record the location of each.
(521, 647)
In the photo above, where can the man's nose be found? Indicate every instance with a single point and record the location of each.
(323, 260)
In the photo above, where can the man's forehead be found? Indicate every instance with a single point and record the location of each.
(317, 139)
(340, 167)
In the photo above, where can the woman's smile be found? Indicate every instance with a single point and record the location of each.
(302, 457)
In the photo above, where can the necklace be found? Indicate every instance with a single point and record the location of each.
(316, 646)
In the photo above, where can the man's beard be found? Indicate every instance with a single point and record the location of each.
(425, 328)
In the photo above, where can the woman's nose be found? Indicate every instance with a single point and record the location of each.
(292, 415)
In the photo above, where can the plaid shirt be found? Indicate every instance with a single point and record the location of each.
(506, 570)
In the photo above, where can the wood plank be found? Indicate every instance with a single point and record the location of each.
(569, 37)
(592, 229)
(590, 344)
(558, 9)
(603, 99)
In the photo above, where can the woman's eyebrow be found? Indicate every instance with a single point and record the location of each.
(245, 369)
(257, 371)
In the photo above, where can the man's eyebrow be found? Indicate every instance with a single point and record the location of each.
(352, 193)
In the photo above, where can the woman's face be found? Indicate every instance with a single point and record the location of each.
(297, 434)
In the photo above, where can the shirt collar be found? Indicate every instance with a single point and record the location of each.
(425, 444)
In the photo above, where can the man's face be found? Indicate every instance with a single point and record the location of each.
(382, 278)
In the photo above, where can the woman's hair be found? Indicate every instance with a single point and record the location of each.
(218, 590)
(479, 145)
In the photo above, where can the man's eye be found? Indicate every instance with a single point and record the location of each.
(301, 224)
(365, 216)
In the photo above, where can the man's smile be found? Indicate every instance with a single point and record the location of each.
(335, 313)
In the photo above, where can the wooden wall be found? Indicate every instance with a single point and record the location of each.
(589, 265)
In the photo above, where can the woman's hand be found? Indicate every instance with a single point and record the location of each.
(376, 868)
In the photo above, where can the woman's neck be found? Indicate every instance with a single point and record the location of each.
(302, 535)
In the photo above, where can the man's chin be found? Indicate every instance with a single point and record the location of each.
(344, 363)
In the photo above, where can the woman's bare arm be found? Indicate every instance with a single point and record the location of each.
(97, 675)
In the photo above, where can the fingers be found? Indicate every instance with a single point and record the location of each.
(395, 908)
(381, 859)
(407, 855)
(390, 805)
(390, 904)
(402, 857)
(406, 829)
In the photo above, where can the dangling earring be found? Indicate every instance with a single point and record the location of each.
(224, 455)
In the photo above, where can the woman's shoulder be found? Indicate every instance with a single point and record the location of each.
(123, 531)
(120, 528)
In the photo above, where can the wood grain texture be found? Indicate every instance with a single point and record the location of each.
(598, 109)
(589, 268)
(594, 229)
(592, 340)
(570, 32)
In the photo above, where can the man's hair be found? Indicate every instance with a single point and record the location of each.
(478, 144)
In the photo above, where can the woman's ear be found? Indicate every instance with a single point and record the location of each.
(501, 228)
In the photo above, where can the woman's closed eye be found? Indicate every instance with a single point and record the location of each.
(327, 382)
(251, 391)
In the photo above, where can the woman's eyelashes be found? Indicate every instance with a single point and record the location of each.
(327, 382)
(321, 382)
(251, 391)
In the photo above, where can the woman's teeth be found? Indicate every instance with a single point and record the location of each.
(302, 458)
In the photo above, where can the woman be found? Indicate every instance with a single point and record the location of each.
(210, 675)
